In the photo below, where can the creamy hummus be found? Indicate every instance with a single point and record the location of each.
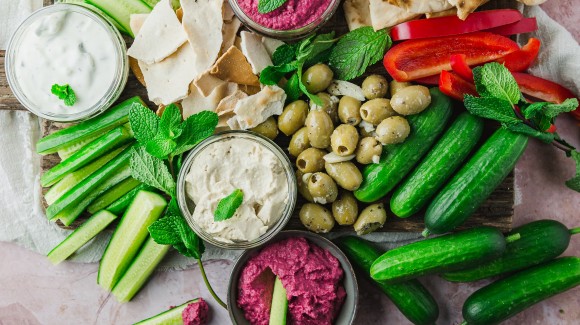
(291, 15)
(236, 163)
(311, 276)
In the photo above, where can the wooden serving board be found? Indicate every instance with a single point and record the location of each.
(497, 211)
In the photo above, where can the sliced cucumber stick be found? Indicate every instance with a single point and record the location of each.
(81, 236)
(140, 270)
(68, 151)
(82, 3)
(279, 309)
(119, 206)
(129, 236)
(168, 317)
(121, 10)
(113, 195)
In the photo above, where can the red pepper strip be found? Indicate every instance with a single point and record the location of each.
(454, 86)
(525, 25)
(459, 66)
(452, 25)
(521, 60)
(545, 90)
(416, 59)
(430, 81)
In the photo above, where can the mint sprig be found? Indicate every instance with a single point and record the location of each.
(266, 6)
(64, 92)
(227, 206)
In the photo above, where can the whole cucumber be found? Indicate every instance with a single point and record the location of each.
(540, 241)
(439, 164)
(410, 297)
(441, 254)
(475, 181)
(398, 159)
(505, 298)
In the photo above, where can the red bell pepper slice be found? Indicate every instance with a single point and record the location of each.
(430, 81)
(521, 60)
(525, 25)
(452, 25)
(416, 59)
(459, 66)
(454, 86)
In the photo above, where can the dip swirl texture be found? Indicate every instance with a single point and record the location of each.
(312, 277)
(291, 15)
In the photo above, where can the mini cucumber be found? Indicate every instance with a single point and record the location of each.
(399, 159)
(112, 195)
(441, 254)
(168, 317)
(82, 3)
(540, 241)
(121, 10)
(130, 234)
(439, 164)
(89, 153)
(279, 309)
(68, 151)
(81, 236)
(507, 297)
(410, 297)
(140, 270)
(113, 117)
(474, 182)
(119, 206)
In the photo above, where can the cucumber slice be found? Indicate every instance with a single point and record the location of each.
(72, 179)
(113, 194)
(71, 213)
(89, 184)
(150, 3)
(82, 3)
(89, 153)
(279, 308)
(121, 10)
(81, 236)
(68, 151)
(119, 206)
(168, 317)
(140, 270)
(128, 237)
(115, 116)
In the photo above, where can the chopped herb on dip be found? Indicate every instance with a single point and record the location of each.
(266, 6)
(291, 15)
(228, 205)
(64, 92)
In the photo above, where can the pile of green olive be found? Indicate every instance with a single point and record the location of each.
(332, 141)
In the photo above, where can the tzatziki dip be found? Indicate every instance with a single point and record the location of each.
(237, 163)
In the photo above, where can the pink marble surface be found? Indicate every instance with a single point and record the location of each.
(32, 291)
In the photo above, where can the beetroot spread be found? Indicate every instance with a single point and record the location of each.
(196, 313)
(311, 276)
(291, 15)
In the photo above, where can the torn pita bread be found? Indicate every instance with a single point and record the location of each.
(465, 7)
(134, 66)
(229, 31)
(250, 90)
(271, 44)
(385, 15)
(227, 12)
(179, 14)
(202, 21)
(357, 13)
(168, 81)
(238, 42)
(255, 109)
(444, 13)
(254, 51)
(232, 66)
(161, 28)
(227, 104)
(424, 6)
(136, 21)
(196, 102)
(223, 122)
(206, 83)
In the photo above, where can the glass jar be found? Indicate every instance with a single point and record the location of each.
(187, 206)
(14, 55)
(290, 34)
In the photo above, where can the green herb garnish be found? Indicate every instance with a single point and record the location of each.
(266, 6)
(228, 205)
(65, 93)
(501, 100)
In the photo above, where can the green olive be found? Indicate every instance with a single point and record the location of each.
(268, 128)
(345, 209)
(320, 129)
(376, 110)
(345, 174)
(370, 219)
(369, 149)
(394, 129)
(317, 78)
(411, 100)
(316, 218)
(293, 117)
(322, 188)
(375, 86)
(344, 140)
(329, 105)
(303, 186)
(396, 86)
(349, 110)
(299, 142)
(310, 160)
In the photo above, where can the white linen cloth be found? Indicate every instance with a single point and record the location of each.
(23, 222)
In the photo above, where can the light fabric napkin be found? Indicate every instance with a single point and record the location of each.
(22, 220)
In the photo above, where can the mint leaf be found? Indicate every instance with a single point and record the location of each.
(495, 80)
(163, 231)
(195, 129)
(357, 50)
(151, 171)
(550, 110)
(314, 46)
(529, 131)
(174, 230)
(170, 124)
(574, 182)
(64, 92)
(305, 91)
(292, 88)
(266, 6)
(491, 108)
(271, 75)
(144, 123)
(228, 205)
(160, 146)
(284, 54)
